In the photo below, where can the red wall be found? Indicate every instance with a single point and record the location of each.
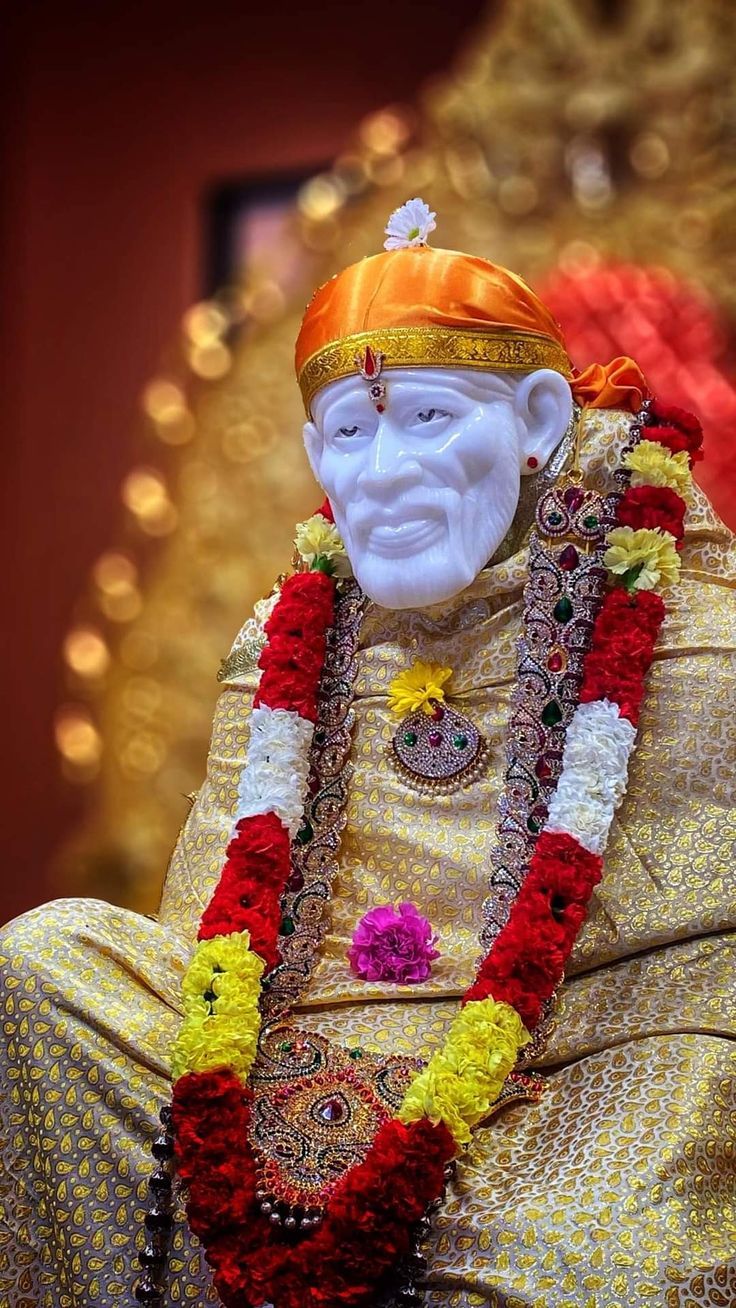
(116, 117)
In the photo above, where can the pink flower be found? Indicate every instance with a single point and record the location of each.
(393, 944)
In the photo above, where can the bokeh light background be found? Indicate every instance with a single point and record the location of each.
(179, 181)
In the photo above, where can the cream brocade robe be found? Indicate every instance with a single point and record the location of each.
(617, 1188)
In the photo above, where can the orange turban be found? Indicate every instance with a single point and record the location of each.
(422, 307)
(619, 384)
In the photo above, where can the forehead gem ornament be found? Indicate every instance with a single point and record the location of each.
(369, 363)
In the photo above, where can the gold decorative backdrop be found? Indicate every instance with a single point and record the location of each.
(569, 133)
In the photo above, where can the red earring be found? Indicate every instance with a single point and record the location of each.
(532, 462)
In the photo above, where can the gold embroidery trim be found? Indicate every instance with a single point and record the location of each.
(241, 660)
(442, 347)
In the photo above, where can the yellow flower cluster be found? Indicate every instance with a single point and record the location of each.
(413, 689)
(221, 989)
(319, 539)
(650, 550)
(463, 1080)
(651, 464)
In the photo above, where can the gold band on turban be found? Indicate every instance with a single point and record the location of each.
(433, 347)
(426, 308)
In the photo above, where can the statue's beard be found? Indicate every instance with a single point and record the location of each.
(482, 526)
(469, 530)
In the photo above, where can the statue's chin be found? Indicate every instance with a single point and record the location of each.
(413, 583)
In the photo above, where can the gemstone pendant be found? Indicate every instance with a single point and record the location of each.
(316, 1110)
(575, 512)
(439, 752)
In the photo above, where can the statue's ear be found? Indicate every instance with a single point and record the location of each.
(543, 407)
(313, 446)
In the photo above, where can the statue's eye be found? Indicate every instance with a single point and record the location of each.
(347, 431)
(429, 415)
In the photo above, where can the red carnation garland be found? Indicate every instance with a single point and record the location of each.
(675, 428)
(652, 506)
(291, 662)
(211, 1114)
(211, 1110)
(628, 625)
(248, 894)
(622, 649)
(258, 858)
(359, 1238)
(526, 961)
(366, 1227)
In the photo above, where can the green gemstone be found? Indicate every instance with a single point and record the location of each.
(410, 737)
(562, 611)
(286, 1046)
(288, 926)
(460, 741)
(533, 825)
(356, 1053)
(551, 714)
(590, 522)
(304, 834)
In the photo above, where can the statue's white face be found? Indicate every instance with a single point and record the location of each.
(424, 493)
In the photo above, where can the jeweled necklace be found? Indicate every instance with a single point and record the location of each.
(336, 1225)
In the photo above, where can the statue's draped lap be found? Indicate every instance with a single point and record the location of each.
(614, 1189)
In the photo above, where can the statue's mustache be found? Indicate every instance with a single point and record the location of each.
(368, 512)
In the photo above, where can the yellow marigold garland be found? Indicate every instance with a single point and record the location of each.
(221, 990)
(650, 464)
(649, 553)
(464, 1078)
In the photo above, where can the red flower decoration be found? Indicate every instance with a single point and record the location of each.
(670, 415)
(526, 961)
(675, 441)
(369, 1219)
(292, 660)
(367, 1226)
(247, 897)
(651, 507)
(622, 649)
(675, 428)
(210, 1113)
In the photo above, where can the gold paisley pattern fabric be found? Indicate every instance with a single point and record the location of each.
(618, 1187)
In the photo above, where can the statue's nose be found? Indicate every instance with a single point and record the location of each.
(391, 459)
